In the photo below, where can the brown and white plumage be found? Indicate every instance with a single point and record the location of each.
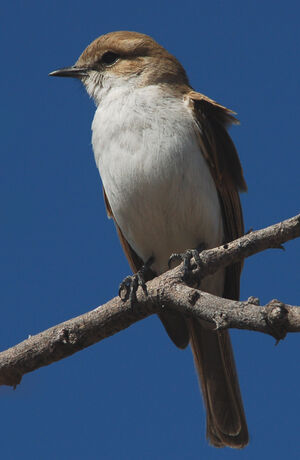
(171, 177)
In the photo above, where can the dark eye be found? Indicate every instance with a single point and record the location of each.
(109, 58)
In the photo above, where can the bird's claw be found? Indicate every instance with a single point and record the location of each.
(186, 257)
(129, 286)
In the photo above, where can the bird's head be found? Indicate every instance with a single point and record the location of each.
(124, 58)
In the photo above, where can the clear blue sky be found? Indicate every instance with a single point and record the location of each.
(134, 396)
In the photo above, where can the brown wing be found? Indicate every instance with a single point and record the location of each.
(213, 356)
(174, 323)
(135, 262)
(227, 172)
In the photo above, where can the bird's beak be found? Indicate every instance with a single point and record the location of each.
(75, 72)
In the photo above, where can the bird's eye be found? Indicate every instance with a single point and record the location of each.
(109, 58)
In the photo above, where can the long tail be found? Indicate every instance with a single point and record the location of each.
(214, 361)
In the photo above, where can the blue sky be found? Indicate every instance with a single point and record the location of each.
(134, 395)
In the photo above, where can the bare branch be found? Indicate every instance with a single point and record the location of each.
(165, 291)
(272, 237)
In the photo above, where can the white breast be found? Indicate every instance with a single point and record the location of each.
(157, 182)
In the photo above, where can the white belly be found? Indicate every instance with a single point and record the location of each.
(157, 182)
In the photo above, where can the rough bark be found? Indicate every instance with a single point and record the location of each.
(166, 291)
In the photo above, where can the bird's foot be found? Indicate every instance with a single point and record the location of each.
(129, 286)
(186, 257)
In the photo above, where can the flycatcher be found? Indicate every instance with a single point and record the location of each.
(171, 178)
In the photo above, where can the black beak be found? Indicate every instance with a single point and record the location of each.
(74, 72)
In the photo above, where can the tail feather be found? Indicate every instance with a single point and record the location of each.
(214, 361)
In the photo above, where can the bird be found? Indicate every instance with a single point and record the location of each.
(171, 179)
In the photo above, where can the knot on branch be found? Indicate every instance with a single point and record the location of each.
(60, 338)
(253, 300)
(276, 318)
(221, 321)
(193, 297)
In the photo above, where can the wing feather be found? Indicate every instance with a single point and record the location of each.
(213, 356)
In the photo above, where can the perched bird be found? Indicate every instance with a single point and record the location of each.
(171, 178)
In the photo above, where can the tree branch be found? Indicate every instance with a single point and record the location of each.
(166, 291)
